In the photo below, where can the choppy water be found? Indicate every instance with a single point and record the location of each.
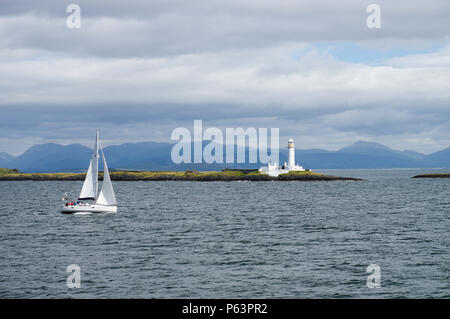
(231, 239)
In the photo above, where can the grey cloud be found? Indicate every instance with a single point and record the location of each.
(161, 28)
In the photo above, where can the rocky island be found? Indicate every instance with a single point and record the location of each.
(225, 175)
(435, 175)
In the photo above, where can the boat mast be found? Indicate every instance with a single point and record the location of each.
(96, 155)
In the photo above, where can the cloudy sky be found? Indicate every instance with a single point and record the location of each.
(137, 69)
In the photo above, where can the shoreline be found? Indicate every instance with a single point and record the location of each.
(178, 176)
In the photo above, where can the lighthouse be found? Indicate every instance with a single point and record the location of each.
(291, 159)
(275, 170)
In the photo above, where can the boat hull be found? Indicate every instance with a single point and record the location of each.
(88, 209)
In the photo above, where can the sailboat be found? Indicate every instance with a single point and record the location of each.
(103, 202)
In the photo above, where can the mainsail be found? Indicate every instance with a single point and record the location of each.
(90, 185)
(106, 196)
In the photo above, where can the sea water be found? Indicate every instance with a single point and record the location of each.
(231, 239)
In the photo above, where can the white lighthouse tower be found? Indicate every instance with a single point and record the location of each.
(275, 170)
(291, 158)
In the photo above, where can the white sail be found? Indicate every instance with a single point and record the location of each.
(106, 196)
(90, 185)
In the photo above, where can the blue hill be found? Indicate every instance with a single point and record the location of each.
(156, 156)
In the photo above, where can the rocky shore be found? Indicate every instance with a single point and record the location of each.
(436, 175)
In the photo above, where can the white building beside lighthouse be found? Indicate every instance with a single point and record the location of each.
(275, 170)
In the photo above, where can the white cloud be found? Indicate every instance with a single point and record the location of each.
(255, 78)
(439, 59)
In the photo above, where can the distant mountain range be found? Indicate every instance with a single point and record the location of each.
(156, 156)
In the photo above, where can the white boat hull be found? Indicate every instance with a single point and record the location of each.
(88, 208)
